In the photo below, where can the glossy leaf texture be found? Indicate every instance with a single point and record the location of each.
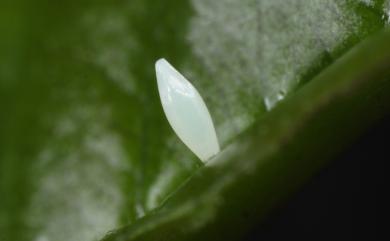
(277, 154)
(85, 148)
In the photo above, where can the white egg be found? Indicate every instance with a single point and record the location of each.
(186, 111)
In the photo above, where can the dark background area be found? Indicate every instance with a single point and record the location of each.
(342, 201)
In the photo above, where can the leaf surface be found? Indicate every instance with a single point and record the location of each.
(85, 147)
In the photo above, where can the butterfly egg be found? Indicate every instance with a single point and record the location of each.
(186, 111)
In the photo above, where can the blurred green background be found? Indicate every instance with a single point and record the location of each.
(84, 145)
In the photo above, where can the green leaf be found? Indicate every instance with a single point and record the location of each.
(277, 154)
(84, 145)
